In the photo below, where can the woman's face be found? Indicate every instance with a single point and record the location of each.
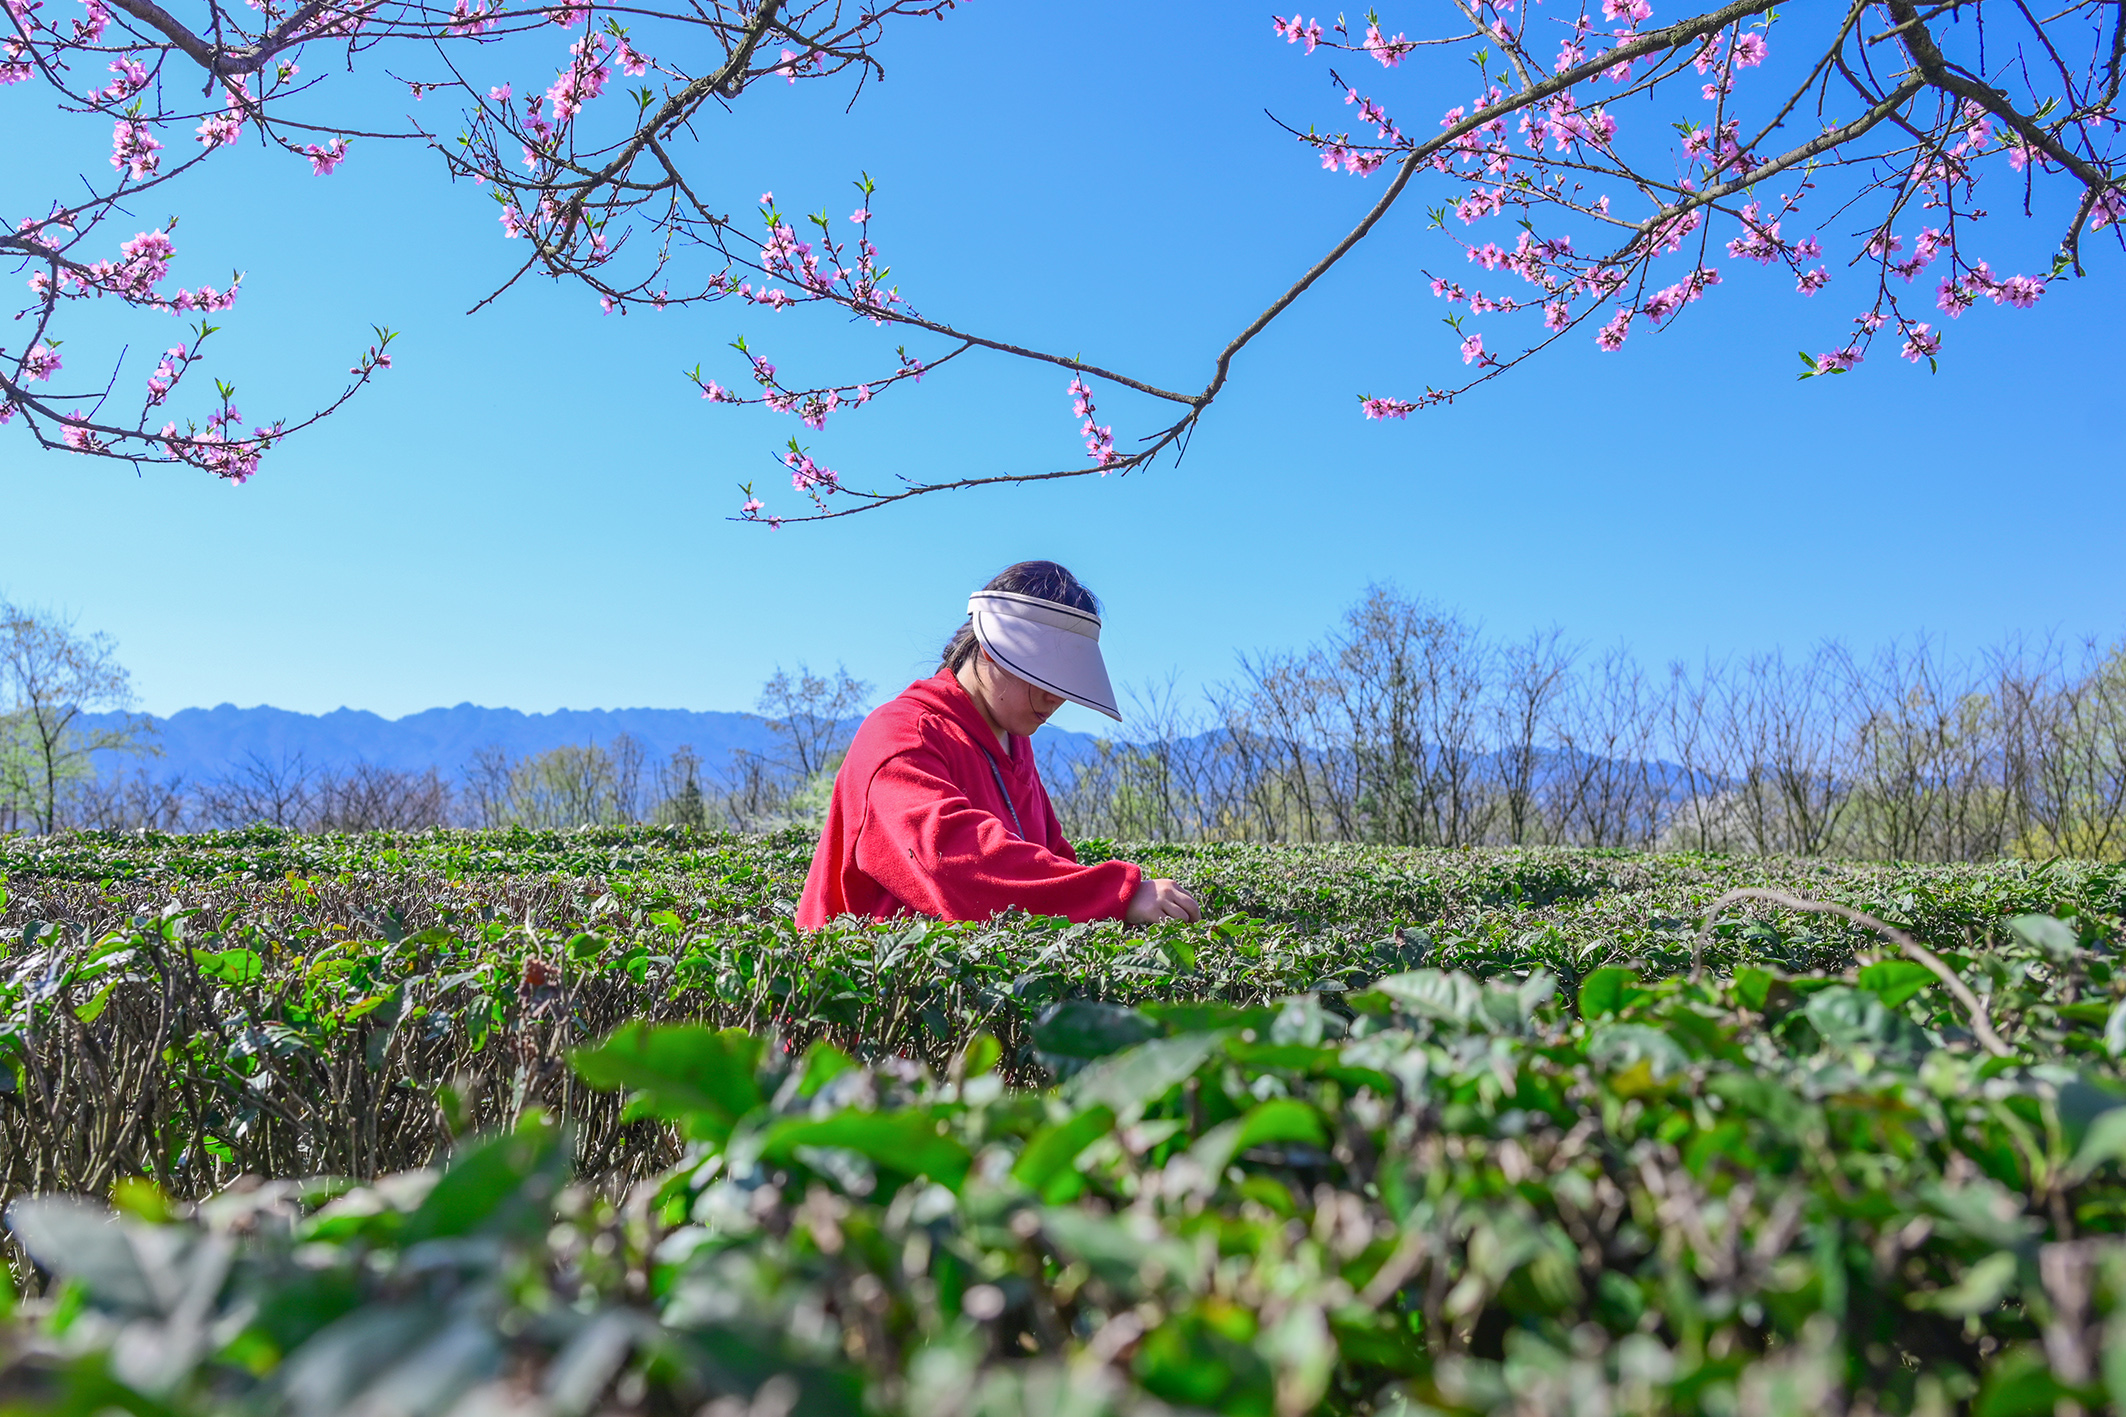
(1015, 705)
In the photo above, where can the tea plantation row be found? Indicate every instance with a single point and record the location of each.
(565, 1123)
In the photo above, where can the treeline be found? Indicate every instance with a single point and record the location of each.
(809, 717)
(1407, 725)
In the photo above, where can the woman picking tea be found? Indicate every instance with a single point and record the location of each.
(938, 809)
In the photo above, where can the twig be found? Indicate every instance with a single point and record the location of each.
(1913, 949)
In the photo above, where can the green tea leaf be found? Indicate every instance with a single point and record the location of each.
(677, 1070)
(1052, 1150)
(908, 1143)
(1895, 980)
(1609, 990)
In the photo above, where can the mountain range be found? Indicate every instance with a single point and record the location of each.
(206, 743)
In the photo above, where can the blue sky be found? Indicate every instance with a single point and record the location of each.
(530, 509)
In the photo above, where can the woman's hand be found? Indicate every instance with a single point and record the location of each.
(1160, 900)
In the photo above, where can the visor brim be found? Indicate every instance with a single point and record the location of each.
(1056, 660)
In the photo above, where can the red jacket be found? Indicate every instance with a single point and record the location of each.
(917, 824)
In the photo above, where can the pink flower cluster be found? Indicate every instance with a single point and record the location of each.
(1959, 293)
(1292, 32)
(80, 439)
(134, 150)
(219, 129)
(146, 260)
(1668, 300)
(40, 363)
(795, 66)
(232, 458)
(808, 476)
(167, 372)
(15, 64)
(324, 161)
(1921, 342)
(473, 17)
(1389, 52)
(1099, 441)
(1721, 54)
(132, 78)
(583, 80)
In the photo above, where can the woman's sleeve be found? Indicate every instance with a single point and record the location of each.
(939, 853)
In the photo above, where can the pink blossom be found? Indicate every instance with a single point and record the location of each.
(1750, 50)
(1610, 338)
(220, 129)
(165, 376)
(569, 13)
(1292, 31)
(1386, 408)
(1630, 12)
(134, 149)
(752, 505)
(805, 474)
(1758, 242)
(1099, 441)
(1957, 294)
(631, 63)
(813, 412)
(468, 19)
(324, 161)
(81, 440)
(583, 80)
(132, 78)
(1473, 351)
(90, 30)
(1838, 361)
(1556, 315)
(1389, 52)
(860, 215)
(1923, 343)
(2022, 292)
(1813, 281)
(40, 363)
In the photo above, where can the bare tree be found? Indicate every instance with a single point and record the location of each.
(1604, 733)
(367, 797)
(1533, 674)
(810, 714)
(680, 800)
(50, 679)
(277, 792)
(123, 800)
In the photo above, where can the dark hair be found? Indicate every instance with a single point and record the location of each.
(1044, 580)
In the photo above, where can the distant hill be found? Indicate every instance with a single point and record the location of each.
(203, 744)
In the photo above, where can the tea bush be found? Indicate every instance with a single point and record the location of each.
(1392, 1131)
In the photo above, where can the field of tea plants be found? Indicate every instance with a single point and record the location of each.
(577, 1122)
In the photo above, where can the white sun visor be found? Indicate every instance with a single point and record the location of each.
(1053, 646)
